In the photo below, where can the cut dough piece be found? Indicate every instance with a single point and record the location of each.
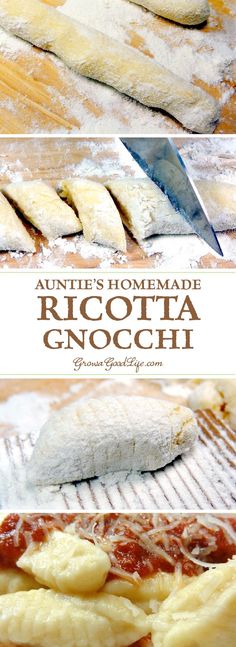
(149, 592)
(97, 56)
(203, 614)
(145, 209)
(93, 437)
(99, 216)
(218, 395)
(13, 235)
(187, 12)
(66, 563)
(41, 205)
(51, 619)
(220, 201)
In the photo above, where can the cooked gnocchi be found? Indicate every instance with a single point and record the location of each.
(203, 614)
(93, 580)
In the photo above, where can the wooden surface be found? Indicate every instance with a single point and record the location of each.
(202, 479)
(54, 159)
(36, 95)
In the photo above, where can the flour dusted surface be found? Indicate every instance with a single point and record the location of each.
(100, 435)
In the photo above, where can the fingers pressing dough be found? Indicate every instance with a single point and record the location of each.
(187, 12)
(98, 214)
(13, 235)
(93, 437)
(97, 56)
(41, 205)
(146, 210)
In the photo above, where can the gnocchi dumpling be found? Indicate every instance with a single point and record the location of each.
(149, 592)
(50, 619)
(203, 614)
(99, 216)
(66, 563)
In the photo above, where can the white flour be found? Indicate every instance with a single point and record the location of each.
(185, 252)
(207, 57)
(197, 480)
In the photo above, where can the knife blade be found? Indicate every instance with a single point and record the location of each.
(160, 159)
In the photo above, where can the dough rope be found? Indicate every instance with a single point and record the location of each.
(187, 12)
(97, 56)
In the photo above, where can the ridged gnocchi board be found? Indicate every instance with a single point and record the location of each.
(40, 94)
(202, 479)
(99, 159)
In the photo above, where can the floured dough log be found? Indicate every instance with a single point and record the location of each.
(13, 235)
(97, 212)
(187, 12)
(48, 619)
(41, 205)
(220, 201)
(146, 210)
(218, 395)
(66, 563)
(97, 56)
(93, 437)
(203, 614)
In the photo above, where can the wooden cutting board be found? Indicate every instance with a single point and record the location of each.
(202, 479)
(36, 95)
(53, 159)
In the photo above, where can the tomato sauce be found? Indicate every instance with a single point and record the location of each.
(13, 542)
(129, 554)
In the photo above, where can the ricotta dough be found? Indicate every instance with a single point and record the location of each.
(187, 12)
(93, 437)
(41, 205)
(146, 210)
(98, 214)
(13, 235)
(97, 56)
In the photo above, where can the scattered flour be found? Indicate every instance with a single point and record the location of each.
(212, 158)
(207, 57)
(185, 252)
